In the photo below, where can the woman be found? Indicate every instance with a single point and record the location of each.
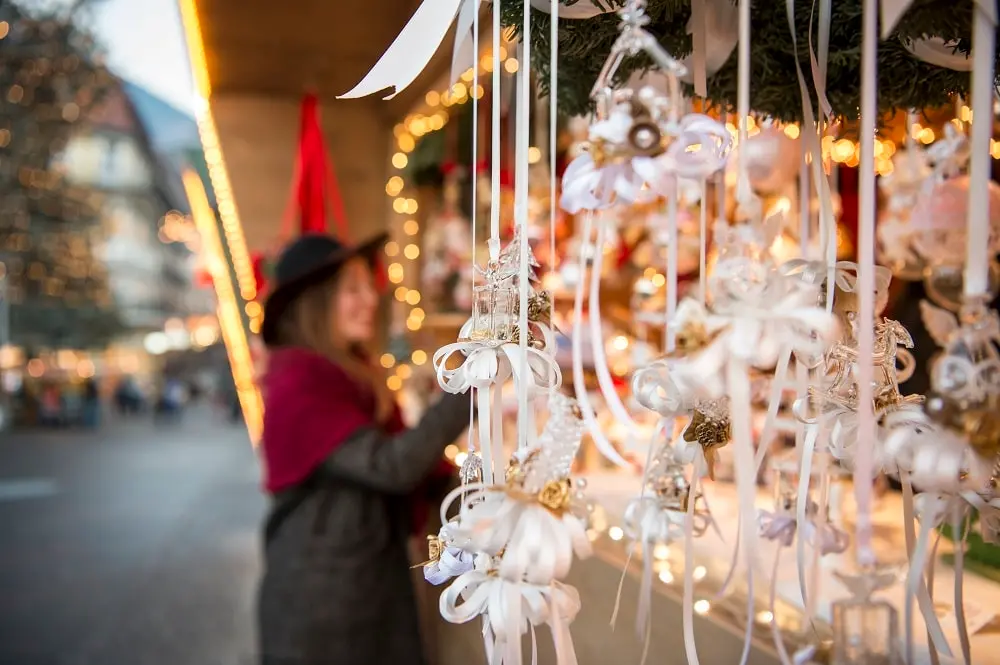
(343, 472)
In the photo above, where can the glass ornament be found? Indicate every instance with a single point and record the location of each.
(493, 313)
(865, 632)
(945, 280)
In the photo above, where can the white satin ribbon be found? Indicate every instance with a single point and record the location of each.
(416, 44)
(604, 380)
(579, 383)
(979, 253)
(653, 388)
(511, 609)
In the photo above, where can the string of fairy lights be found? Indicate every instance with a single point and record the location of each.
(230, 303)
(403, 250)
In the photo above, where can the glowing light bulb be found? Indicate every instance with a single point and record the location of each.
(702, 606)
(615, 533)
(387, 360)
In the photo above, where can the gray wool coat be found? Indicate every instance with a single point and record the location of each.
(337, 588)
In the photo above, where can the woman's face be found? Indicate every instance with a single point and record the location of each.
(355, 303)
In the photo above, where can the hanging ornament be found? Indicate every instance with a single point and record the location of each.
(709, 429)
(865, 630)
(640, 144)
(524, 534)
(938, 221)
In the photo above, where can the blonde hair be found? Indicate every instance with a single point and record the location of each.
(307, 324)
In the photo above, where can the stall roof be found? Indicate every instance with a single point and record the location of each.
(261, 56)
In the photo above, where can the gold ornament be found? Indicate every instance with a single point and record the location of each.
(982, 427)
(710, 433)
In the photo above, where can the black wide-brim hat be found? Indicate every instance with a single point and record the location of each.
(310, 259)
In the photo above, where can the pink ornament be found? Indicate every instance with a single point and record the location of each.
(945, 206)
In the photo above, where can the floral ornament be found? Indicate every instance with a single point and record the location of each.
(537, 518)
(756, 314)
(639, 146)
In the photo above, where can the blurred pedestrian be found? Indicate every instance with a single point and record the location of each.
(344, 474)
(50, 411)
(173, 397)
(91, 403)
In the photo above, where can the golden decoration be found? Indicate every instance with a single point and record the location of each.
(982, 427)
(555, 496)
(434, 548)
(710, 433)
(692, 337)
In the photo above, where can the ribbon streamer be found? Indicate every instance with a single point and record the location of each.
(416, 44)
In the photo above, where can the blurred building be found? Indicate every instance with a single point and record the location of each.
(131, 151)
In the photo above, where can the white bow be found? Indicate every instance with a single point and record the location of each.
(647, 521)
(509, 610)
(756, 324)
(488, 364)
(653, 388)
(416, 44)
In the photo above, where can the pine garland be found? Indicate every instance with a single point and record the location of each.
(904, 81)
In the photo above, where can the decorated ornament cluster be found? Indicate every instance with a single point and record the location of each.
(797, 332)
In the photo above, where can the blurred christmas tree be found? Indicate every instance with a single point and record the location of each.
(49, 231)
